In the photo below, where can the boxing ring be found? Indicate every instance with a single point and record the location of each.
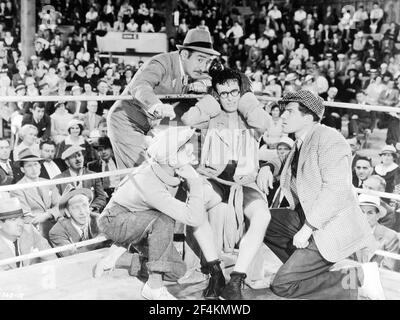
(62, 278)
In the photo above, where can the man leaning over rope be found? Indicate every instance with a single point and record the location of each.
(169, 73)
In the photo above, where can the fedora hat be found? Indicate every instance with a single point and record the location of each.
(70, 151)
(375, 201)
(198, 40)
(103, 142)
(71, 192)
(10, 208)
(26, 155)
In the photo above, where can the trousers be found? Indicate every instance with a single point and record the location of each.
(305, 273)
(127, 228)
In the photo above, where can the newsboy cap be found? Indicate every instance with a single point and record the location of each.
(306, 98)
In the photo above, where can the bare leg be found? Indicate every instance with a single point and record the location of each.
(259, 216)
(205, 238)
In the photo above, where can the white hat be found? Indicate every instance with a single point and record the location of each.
(388, 149)
(167, 143)
(308, 78)
(74, 122)
(375, 201)
(271, 77)
(286, 140)
(291, 77)
(70, 151)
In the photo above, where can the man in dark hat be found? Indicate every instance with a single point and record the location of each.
(78, 222)
(104, 164)
(351, 85)
(324, 223)
(18, 238)
(170, 73)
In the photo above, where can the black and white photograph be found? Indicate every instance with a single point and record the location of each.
(220, 152)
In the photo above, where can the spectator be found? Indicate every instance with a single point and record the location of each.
(39, 119)
(29, 141)
(236, 31)
(59, 122)
(363, 170)
(7, 168)
(75, 138)
(77, 224)
(119, 25)
(104, 164)
(50, 167)
(362, 122)
(132, 26)
(387, 168)
(147, 26)
(376, 17)
(388, 239)
(90, 119)
(390, 220)
(18, 238)
(40, 202)
(355, 146)
(74, 158)
(275, 132)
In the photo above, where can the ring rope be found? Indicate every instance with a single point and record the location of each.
(68, 98)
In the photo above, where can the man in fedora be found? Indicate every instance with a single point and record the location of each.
(18, 238)
(41, 203)
(78, 222)
(104, 164)
(169, 73)
(324, 223)
(388, 239)
(74, 159)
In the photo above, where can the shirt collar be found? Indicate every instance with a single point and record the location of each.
(78, 228)
(164, 176)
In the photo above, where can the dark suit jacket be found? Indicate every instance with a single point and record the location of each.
(9, 178)
(100, 196)
(60, 164)
(44, 125)
(64, 233)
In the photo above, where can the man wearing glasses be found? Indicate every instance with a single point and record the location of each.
(170, 73)
(234, 122)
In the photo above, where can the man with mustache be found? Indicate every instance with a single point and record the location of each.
(169, 73)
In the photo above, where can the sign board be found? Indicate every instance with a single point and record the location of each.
(138, 42)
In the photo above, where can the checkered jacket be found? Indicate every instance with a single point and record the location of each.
(325, 191)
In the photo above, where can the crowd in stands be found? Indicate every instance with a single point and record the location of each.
(349, 56)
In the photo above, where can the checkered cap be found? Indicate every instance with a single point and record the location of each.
(308, 99)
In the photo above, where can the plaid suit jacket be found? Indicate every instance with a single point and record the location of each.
(325, 191)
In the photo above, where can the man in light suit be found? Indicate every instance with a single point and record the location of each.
(324, 223)
(40, 202)
(130, 121)
(74, 159)
(18, 238)
(78, 223)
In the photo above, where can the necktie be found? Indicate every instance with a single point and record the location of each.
(106, 180)
(295, 160)
(276, 201)
(17, 252)
(9, 170)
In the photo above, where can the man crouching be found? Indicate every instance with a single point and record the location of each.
(144, 207)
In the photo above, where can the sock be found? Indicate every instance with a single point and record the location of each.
(155, 280)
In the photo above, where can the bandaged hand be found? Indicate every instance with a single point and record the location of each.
(301, 238)
(198, 87)
(164, 110)
(187, 172)
(265, 179)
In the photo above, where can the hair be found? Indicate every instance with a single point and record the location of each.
(49, 142)
(38, 105)
(227, 74)
(274, 106)
(24, 130)
(369, 160)
(80, 127)
(304, 110)
(382, 182)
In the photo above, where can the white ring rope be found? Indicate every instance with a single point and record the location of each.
(101, 239)
(48, 252)
(67, 98)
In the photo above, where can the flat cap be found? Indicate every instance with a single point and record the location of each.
(306, 98)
